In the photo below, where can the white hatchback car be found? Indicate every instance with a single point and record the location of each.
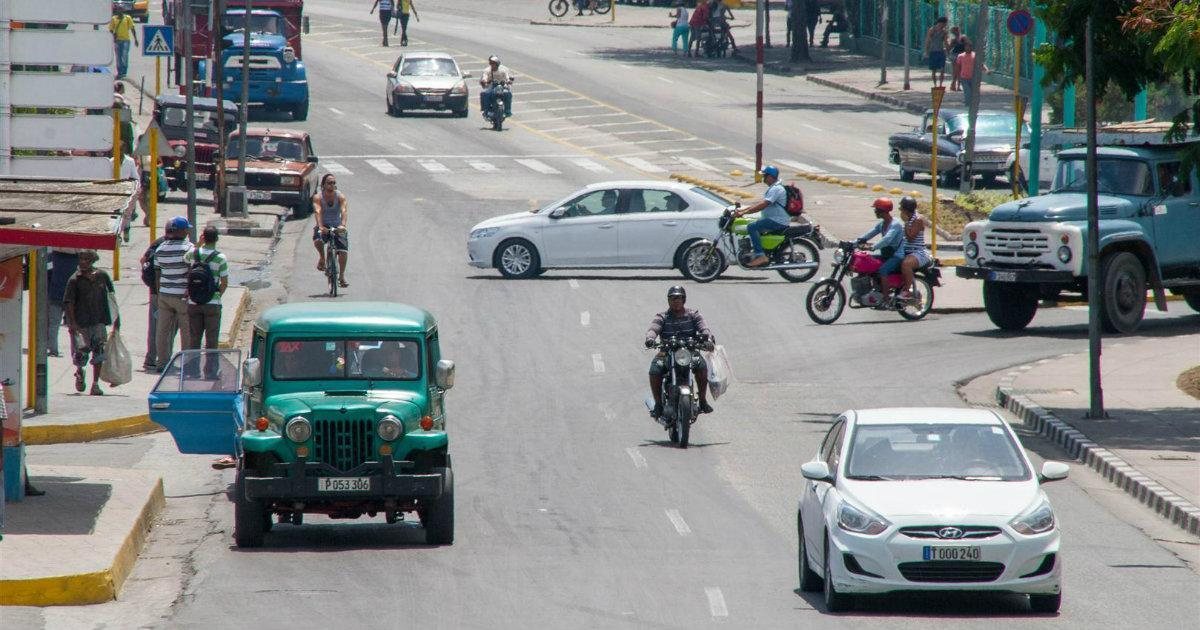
(927, 499)
(628, 224)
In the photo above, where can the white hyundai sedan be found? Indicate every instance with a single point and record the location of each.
(631, 225)
(927, 499)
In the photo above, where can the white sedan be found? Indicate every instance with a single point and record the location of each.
(927, 499)
(630, 225)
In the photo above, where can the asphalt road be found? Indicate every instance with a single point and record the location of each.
(573, 510)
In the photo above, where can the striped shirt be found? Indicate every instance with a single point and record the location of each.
(917, 243)
(219, 265)
(170, 259)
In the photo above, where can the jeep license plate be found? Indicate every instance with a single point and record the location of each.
(259, 195)
(950, 553)
(344, 484)
(1003, 276)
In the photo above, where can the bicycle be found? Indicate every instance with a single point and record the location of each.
(332, 271)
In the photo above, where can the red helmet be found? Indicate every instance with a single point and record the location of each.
(883, 203)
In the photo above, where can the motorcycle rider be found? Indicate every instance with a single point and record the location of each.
(891, 242)
(774, 214)
(496, 74)
(677, 321)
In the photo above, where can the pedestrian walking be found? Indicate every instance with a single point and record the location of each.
(123, 32)
(681, 29)
(385, 16)
(406, 7)
(956, 49)
(63, 263)
(696, 25)
(935, 50)
(88, 307)
(208, 277)
(966, 71)
(171, 265)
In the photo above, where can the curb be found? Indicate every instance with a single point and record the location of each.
(1150, 493)
(227, 341)
(40, 435)
(875, 96)
(97, 587)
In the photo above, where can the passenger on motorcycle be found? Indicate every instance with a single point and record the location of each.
(774, 214)
(332, 210)
(891, 242)
(496, 74)
(677, 321)
(915, 254)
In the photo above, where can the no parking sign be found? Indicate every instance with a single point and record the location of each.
(1019, 22)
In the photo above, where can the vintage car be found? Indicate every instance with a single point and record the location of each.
(281, 168)
(339, 410)
(170, 111)
(995, 137)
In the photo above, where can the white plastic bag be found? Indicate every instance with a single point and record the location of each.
(117, 368)
(719, 372)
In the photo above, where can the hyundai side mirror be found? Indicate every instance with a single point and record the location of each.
(816, 471)
(251, 372)
(443, 374)
(558, 213)
(1053, 471)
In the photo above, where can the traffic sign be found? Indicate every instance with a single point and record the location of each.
(143, 145)
(1020, 22)
(52, 89)
(82, 167)
(59, 11)
(59, 47)
(157, 41)
(86, 133)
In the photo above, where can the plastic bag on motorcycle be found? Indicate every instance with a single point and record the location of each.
(719, 371)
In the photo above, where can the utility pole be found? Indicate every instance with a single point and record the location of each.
(883, 43)
(758, 108)
(218, 35)
(190, 105)
(245, 107)
(907, 42)
(1096, 406)
(979, 44)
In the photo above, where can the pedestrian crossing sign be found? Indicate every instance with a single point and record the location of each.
(157, 41)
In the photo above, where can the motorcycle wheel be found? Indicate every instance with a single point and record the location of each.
(498, 122)
(673, 433)
(796, 250)
(683, 419)
(825, 302)
(702, 262)
(603, 6)
(558, 8)
(922, 301)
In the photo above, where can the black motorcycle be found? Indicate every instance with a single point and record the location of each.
(827, 298)
(495, 113)
(794, 252)
(681, 400)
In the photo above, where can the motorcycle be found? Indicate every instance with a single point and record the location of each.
(827, 298)
(495, 113)
(681, 400)
(793, 252)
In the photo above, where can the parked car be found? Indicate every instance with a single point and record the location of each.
(427, 80)
(170, 111)
(927, 499)
(995, 138)
(624, 224)
(281, 168)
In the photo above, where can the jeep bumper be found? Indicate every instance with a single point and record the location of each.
(307, 480)
(1039, 276)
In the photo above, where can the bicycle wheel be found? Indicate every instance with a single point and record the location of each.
(559, 8)
(331, 270)
(602, 6)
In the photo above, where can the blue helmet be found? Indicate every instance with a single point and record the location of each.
(771, 170)
(179, 223)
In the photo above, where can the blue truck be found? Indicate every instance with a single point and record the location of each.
(278, 80)
(1033, 249)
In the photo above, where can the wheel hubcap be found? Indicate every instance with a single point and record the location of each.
(516, 259)
(1125, 293)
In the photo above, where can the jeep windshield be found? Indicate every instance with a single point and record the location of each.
(1113, 176)
(267, 148)
(346, 359)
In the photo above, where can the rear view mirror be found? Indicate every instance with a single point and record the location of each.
(443, 375)
(1053, 471)
(391, 75)
(313, 158)
(466, 74)
(252, 372)
(816, 471)
(558, 213)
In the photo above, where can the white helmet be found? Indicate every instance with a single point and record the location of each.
(494, 59)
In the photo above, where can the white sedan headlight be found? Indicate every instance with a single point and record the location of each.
(298, 429)
(1039, 519)
(289, 180)
(853, 519)
(459, 88)
(484, 232)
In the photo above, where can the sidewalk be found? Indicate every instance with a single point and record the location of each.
(1149, 446)
(630, 16)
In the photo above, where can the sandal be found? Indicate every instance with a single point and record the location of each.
(320, 265)
(80, 385)
(96, 391)
(342, 283)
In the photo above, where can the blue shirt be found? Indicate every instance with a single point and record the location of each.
(776, 210)
(892, 237)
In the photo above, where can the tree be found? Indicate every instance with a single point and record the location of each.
(799, 21)
(1174, 27)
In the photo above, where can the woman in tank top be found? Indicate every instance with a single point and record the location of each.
(332, 211)
(915, 254)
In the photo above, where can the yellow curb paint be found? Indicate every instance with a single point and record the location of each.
(36, 435)
(952, 262)
(735, 173)
(877, 188)
(238, 313)
(895, 191)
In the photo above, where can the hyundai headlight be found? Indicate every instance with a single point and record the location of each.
(971, 250)
(1037, 520)
(389, 428)
(289, 55)
(484, 232)
(859, 521)
(298, 429)
(683, 356)
(289, 180)
(1064, 254)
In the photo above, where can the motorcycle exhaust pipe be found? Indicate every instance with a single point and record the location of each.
(800, 265)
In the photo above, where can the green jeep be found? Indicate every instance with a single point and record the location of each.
(344, 415)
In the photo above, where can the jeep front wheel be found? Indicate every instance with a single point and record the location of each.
(1009, 306)
(438, 518)
(248, 517)
(1124, 293)
(1193, 300)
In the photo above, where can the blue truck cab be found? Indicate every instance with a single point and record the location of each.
(1034, 248)
(278, 80)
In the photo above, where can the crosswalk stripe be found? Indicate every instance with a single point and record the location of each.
(642, 165)
(850, 166)
(384, 166)
(801, 166)
(742, 162)
(486, 167)
(594, 167)
(433, 166)
(539, 166)
(696, 163)
(337, 169)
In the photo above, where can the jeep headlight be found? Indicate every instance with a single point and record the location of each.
(389, 428)
(971, 250)
(289, 55)
(1064, 254)
(683, 356)
(298, 429)
(1037, 520)
(289, 180)
(484, 232)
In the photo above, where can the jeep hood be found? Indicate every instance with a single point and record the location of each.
(350, 403)
(1059, 207)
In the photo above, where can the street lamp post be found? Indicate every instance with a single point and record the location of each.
(241, 169)
(1096, 405)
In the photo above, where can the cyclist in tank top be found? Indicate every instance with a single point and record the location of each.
(331, 211)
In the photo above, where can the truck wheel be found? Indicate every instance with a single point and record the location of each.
(1009, 306)
(1123, 288)
(1193, 300)
(906, 175)
(300, 112)
(438, 518)
(248, 517)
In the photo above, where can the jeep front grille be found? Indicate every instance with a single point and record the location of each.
(1015, 244)
(342, 443)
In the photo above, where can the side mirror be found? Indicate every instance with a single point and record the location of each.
(816, 471)
(391, 75)
(558, 213)
(466, 74)
(443, 374)
(314, 159)
(1053, 471)
(251, 372)
(306, 25)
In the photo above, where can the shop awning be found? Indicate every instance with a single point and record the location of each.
(60, 213)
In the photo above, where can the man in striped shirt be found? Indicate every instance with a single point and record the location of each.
(170, 260)
(205, 319)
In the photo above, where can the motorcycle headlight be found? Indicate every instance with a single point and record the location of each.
(971, 250)
(839, 256)
(859, 521)
(289, 55)
(1064, 254)
(289, 180)
(298, 429)
(1039, 519)
(180, 150)
(484, 232)
(683, 356)
(389, 429)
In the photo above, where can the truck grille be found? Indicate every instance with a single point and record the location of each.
(951, 571)
(1015, 244)
(342, 443)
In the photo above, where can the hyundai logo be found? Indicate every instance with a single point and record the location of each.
(950, 532)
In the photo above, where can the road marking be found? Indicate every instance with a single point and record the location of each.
(869, 145)
(573, 283)
(597, 363)
(642, 165)
(638, 460)
(486, 167)
(408, 146)
(594, 167)
(709, 94)
(627, 66)
(716, 602)
(337, 111)
(585, 319)
(812, 127)
(850, 166)
(576, 52)
(696, 163)
(643, 132)
(384, 166)
(521, 39)
(681, 525)
(539, 166)
(528, 92)
(433, 166)
(663, 79)
(551, 100)
(801, 166)
(887, 166)
(451, 156)
(369, 127)
(336, 168)
(742, 162)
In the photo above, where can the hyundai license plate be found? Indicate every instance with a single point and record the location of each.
(930, 552)
(344, 484)
(1002, 276)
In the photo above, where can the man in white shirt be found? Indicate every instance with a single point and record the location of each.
(496, 74)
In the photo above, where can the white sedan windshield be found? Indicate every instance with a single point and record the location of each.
(934, 451)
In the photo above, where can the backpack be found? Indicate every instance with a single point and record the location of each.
(149, 278)
(795, 200)
(201, 283)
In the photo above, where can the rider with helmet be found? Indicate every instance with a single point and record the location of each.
(774, 215)
(495, 74)
(677, 321)
(915, 254)
(891, 242)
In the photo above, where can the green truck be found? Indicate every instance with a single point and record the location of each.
(1033, 249)
(338, 410)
